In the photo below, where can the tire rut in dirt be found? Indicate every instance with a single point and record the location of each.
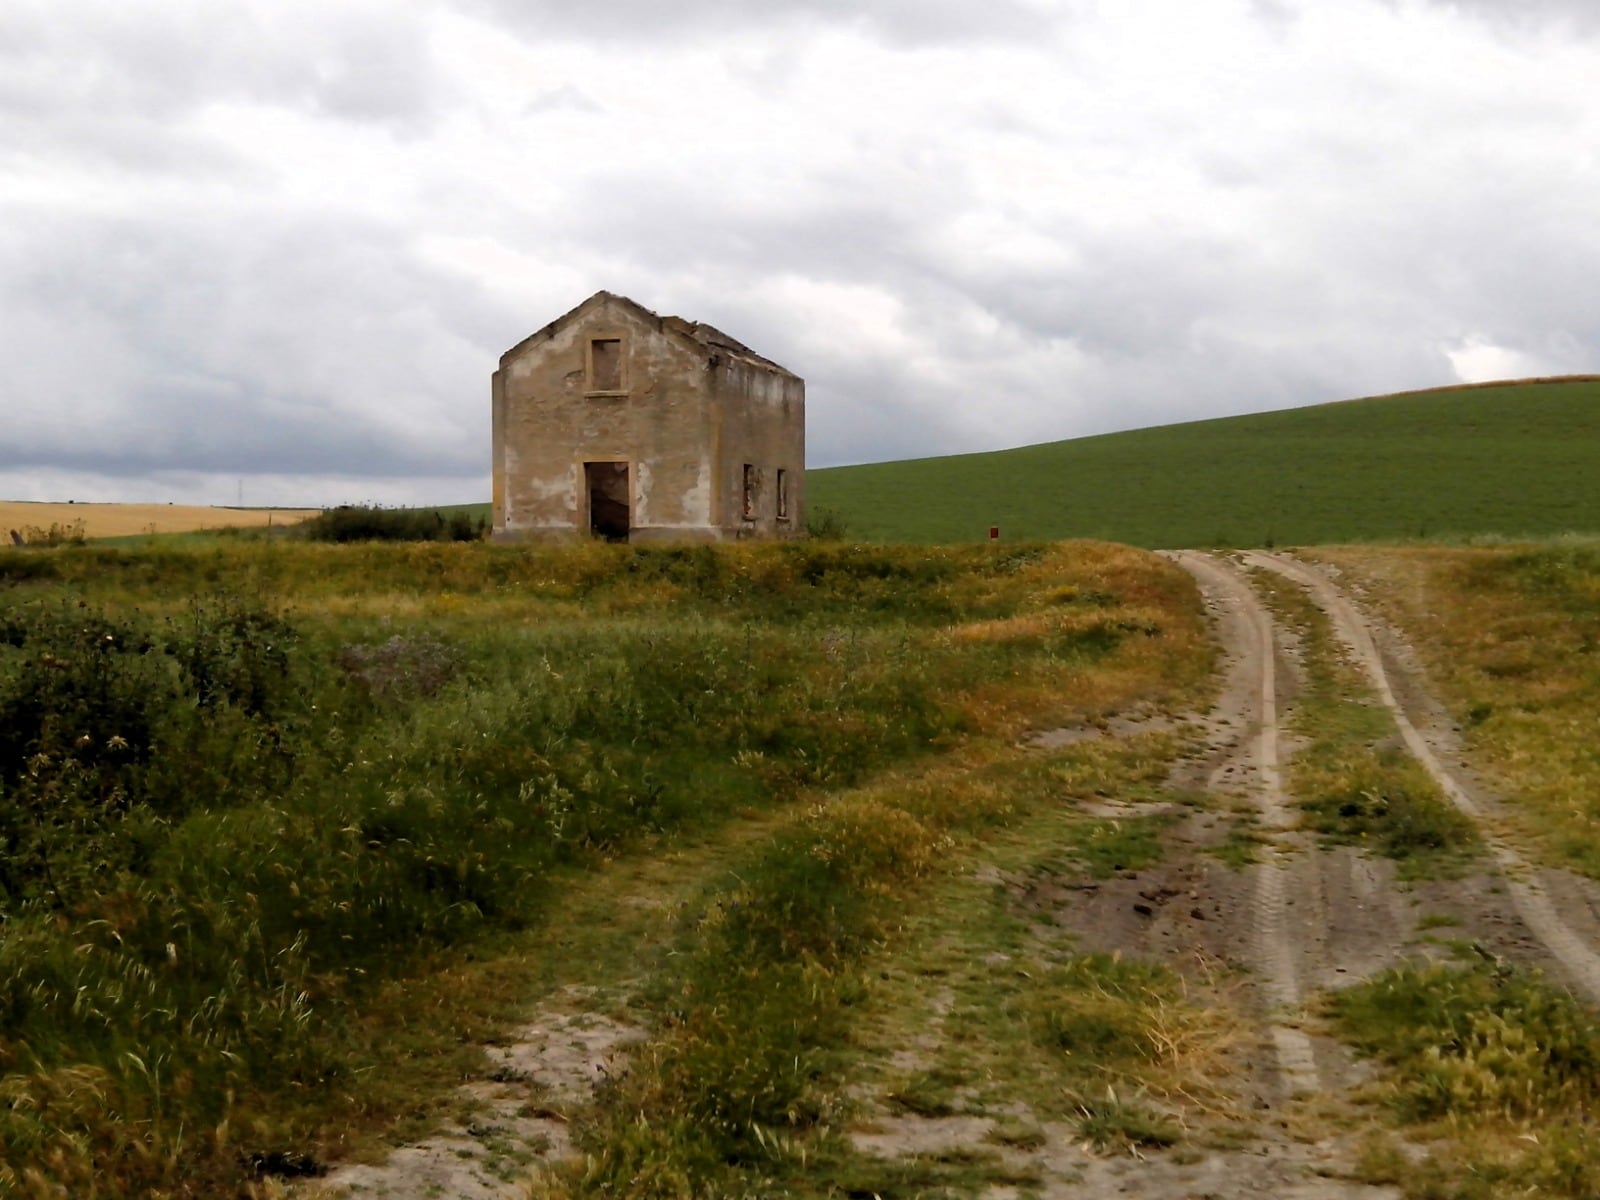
(1247, 631)
(1528, 888)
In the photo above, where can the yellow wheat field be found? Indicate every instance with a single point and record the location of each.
(120, 520)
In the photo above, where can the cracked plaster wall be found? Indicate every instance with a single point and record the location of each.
(687, 419)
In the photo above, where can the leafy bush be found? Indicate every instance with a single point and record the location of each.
(111, 728)
(368, 523)
(826, 525)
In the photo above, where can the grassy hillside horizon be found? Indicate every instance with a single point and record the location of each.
(1512, 459)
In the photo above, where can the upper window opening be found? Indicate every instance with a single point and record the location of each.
(605, 365)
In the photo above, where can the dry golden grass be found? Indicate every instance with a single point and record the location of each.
(123, 520)
(1507, 637)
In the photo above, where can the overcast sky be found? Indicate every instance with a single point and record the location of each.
(276, 247)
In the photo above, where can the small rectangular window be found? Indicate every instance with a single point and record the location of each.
(605, 364)
(750, 486)
(783, 494)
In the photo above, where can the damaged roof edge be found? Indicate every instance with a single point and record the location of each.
(708, 337)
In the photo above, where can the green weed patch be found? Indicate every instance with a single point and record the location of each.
(1383, 799)
(1501, 1066)
(755, 1007)
(1109, 847)
(1353, 780)
(742, 1091)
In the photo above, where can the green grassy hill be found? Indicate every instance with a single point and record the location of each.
(1512, 459)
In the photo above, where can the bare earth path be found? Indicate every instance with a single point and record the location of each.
(1247, 631)
(1572, 945)
(1300, 920)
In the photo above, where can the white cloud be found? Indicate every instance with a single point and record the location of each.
(1477, 361)
(290, 241)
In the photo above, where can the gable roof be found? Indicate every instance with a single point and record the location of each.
(709, 340)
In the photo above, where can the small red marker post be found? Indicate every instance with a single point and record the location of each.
(994, 533)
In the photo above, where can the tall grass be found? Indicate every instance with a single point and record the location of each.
(1509, 636)
(243, 813)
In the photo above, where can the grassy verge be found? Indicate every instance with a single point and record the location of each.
(1497, 1071)
(1353, 778)
(1510, 636)
(260, 799)
(814, 949)
(1012, 1023)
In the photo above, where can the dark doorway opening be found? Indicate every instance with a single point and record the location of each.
(610, 513)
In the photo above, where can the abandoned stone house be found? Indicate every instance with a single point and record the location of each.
(614, 422)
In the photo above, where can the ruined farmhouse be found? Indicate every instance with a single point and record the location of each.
(614, 422)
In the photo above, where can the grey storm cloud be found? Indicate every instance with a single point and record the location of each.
(153, 62)
(1561, 15)
(906, 22)
(1329, 311)
(290, 240)
(260, 344)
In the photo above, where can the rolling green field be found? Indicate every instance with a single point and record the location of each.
(1512, 459)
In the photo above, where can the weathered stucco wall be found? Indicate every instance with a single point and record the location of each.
(550, 422)
(761, 415)
(612, 382)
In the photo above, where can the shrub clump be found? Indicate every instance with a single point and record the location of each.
(373, 523)
(111, 728)
(826, 525)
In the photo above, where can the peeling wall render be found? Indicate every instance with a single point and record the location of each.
(612, 421)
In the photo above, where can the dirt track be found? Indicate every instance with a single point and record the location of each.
(1303, 919)
(1558, 911)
